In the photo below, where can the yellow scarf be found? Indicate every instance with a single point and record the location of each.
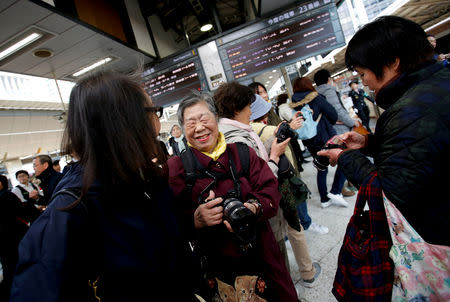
(219, 149)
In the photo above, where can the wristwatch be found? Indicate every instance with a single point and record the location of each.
(257, 204)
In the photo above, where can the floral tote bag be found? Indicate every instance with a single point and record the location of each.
(422, 270)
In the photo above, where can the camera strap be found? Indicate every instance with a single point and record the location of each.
(194, 170)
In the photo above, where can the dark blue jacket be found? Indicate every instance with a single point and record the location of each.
(49, 180)
(131, 241)
(318, 104)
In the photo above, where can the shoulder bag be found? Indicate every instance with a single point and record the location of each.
(422, 270)
(365, 272)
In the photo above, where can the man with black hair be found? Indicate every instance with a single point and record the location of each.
(49, 178)
(56, 165)
(345, 123)
(438, 56)
(26, 191)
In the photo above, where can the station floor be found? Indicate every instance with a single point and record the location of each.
(322, 248)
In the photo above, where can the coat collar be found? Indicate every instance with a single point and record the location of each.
(392, 91)
(308, 98)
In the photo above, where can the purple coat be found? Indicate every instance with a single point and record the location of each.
(261, 185)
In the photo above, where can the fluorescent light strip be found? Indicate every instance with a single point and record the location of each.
(22, 43)
(90, 67)
(437, 24)
(31, 132)
(339, 72)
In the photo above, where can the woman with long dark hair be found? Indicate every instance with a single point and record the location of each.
(120, 233)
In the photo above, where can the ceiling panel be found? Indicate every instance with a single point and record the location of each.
(5, 3)
(56, 23)
(18, 17)
(75, 53)
(75, 45)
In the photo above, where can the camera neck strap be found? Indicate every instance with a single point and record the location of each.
(194, 170)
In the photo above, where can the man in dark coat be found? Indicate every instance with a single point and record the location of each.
(358, 96)
(43, 168)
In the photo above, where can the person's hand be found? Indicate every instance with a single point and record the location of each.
(332, 154)
(353, 140)
(441, 57)
(252, 207)
(34, 195)
(209, 213)
(357, 124)
(41, 207)
(277, 149)
(297, 121)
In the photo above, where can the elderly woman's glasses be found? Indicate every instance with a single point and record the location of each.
(157, 110)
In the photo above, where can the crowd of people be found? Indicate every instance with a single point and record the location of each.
(210, 221)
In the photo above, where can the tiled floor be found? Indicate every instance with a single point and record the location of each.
(323, 248)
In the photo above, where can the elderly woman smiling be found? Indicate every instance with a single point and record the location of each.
(229, 262)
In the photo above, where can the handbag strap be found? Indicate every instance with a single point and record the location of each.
(398, 224)
(371, 192)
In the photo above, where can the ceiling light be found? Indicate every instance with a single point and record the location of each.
(274, 70)
(270, 77)
(43, 53)
(437, 24)
(206, 27)
(20, 44)
(92, 66)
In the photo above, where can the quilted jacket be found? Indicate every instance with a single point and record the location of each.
(410, 150)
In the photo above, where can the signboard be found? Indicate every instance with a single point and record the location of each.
(310, 29)
(171, 80)
(212, 65)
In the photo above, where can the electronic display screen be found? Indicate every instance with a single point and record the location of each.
(296, 34)
(170, 81)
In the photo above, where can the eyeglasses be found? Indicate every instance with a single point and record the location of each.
(157, 110)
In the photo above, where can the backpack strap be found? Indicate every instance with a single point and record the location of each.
(190, 165)
(261, 131)
(194, 170)
(244, 156)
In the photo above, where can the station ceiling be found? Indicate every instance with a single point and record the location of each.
(75, 44)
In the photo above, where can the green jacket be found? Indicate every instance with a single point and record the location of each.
(410, 150)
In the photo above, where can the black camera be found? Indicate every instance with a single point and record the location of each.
(322, 162)
(284, 132)
(241, 219)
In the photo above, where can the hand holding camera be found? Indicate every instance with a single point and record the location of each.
(284, 132)
(236, 216)
(209, 213)
(330, 153)
(297, 121)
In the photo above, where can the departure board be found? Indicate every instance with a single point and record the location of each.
(171, 80)
(301, 32)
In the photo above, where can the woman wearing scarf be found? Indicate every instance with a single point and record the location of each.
(257, 272)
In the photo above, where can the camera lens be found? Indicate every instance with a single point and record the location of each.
(241, 219)
(321, 162)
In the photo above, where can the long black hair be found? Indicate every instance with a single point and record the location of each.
(109, 130)
(381, 42)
